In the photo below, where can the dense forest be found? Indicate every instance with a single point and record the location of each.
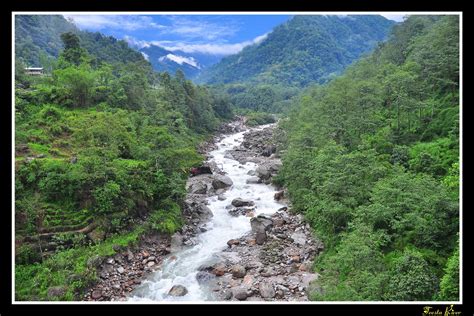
(372, 161)
(368, 132)
(38, 42)
(100, 148)
(302, 51)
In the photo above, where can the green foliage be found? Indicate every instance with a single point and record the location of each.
(372, 161)
(304, 50)
(450, 283)
(167, 219)
(104, 144)
(108, 198)
(67, 269)
(355, 271)
(259, 118)
(435, 157)
(27, 254)
(411, 279)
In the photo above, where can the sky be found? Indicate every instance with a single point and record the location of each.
(207, 34)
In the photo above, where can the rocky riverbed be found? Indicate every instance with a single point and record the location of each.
(270, 261)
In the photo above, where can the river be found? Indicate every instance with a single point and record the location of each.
(180, 268)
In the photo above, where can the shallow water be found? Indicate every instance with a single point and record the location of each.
(221, 228)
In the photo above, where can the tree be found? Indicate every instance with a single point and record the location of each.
(449, 286)
(75, 85)
(411, 279)
(73, 52)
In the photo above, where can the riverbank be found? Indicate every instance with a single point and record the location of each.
(130, 266)
(269, 256)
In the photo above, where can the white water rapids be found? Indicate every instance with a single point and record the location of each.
(182, 269)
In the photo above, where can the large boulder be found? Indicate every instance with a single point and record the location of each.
(261, 223)
(197, 188)
(221, 182)
(204, 212)
(204, 277)
(239, 202)
(263, 172)
(178, 290)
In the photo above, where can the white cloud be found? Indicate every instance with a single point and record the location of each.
(118, 22)
(209, 48)
(190, 27)
(132, 41)
(394, 17)
(145, 56)
(181, 60)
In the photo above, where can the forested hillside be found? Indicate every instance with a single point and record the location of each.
(100, 148)
(372, 161)
(366, 149)
(38, 42)
(304, 50)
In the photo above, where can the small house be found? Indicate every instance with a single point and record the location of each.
(34, 71)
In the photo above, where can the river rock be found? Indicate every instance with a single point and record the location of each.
(261, 223)
(221, 182)
(204, 212)
(299, 238)
(178, 290)
(240, 293)
(260, 238)
(253, 180)
(238, 271)
(248, 281)
(219, 269)
(266, 289)
(263, 172)
(198, 188)
(96, 294)
(279, 195)
(204, 277)
(233, 242)
(239, 202)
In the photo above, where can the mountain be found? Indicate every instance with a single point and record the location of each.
(170, 61)
(303, 50)
(38, 36)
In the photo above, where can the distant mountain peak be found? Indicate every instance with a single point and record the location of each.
(304, 50)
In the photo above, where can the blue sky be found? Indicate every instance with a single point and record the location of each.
(208, 34)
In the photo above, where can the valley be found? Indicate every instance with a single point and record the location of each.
(322, 162)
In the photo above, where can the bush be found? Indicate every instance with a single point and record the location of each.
(27, 254)
(259, 118)
(411, 279)
(166, 220)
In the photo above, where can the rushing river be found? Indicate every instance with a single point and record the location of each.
(181, 267)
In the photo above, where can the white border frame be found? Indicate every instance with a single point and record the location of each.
(458, 13)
